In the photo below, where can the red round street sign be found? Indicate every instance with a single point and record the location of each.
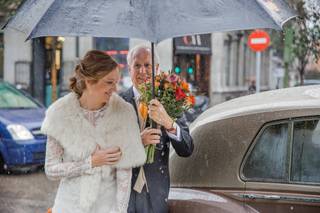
(258, 40)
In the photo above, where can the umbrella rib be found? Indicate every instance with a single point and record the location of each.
(36, 25)
(278, 23)
(12, 17)
(15, 22)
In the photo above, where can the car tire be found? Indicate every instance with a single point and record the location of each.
(2, 169)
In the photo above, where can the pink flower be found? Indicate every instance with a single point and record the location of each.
(172, 78)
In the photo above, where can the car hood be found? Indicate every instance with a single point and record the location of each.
(30, 118)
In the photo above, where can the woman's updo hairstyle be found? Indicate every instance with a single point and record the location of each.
(95, 65)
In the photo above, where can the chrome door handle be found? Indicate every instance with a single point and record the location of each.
(271, 197)
(259, 196)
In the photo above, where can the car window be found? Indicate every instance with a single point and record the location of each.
(268, 159)
(12, 98)
(306, 152)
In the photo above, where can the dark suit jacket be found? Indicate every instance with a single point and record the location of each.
(157, 173)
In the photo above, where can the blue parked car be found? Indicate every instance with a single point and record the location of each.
(21, 143)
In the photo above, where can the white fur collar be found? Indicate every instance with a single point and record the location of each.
(66, 123)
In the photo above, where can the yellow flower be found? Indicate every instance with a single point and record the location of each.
(143, 109)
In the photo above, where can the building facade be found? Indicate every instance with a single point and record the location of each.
(220, 66)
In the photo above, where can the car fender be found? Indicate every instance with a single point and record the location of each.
(194, 201)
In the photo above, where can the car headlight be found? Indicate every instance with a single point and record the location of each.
(19, 132)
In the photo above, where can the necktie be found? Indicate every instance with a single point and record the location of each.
(141, 179)
(142, 120)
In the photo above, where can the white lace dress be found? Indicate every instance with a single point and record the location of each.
(56, 169)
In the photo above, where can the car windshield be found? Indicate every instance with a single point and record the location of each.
(11, 98)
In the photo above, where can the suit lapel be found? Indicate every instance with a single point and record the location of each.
(128, 96)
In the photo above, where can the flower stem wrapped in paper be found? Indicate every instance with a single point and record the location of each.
(174, 95)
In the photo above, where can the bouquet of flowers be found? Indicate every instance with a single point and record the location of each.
(174, 95)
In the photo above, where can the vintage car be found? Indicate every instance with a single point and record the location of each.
(257, 153)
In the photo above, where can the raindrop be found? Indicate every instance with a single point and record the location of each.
(162, 153)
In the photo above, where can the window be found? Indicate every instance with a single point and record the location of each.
(117, 47)
(22, 74)
(268, 159)
(306, 152)
(11, 98)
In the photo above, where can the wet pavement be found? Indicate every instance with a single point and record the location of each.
(26, 192)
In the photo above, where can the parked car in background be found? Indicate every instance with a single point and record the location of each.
(308, 82)
(21, 143)
(201, 104)
(257, 153)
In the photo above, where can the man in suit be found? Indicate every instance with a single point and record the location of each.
(150, 184)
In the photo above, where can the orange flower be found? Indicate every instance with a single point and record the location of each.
(185, 85)
(191, 100)
(143, 109)
(157, 83)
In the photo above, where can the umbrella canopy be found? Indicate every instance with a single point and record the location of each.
(151, 20)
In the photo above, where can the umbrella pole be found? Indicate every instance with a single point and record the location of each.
(153, 124)
(153, 69)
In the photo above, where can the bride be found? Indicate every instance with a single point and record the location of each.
(93, 141)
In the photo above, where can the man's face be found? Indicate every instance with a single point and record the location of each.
(140, 67)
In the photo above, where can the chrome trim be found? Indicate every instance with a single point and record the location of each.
(37, 132)
(253, 196)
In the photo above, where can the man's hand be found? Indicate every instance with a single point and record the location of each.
(108, 156)
(150, 136)
(159, 114)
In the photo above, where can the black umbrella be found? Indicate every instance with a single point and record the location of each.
(152, 20)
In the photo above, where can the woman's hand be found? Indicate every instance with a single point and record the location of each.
(108, 156)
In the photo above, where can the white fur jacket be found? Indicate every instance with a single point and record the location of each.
(66, 123)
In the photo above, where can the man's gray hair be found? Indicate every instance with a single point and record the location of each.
(135, 50)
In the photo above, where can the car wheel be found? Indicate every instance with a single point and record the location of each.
(2, 169)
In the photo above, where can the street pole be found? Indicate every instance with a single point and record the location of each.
(258, 70)
(258, 41)
(287, 54)
(54, 70)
